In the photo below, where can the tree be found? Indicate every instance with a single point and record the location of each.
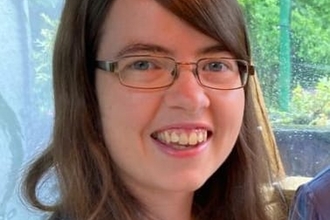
(310, 45)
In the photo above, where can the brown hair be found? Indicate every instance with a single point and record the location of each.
(89, 185)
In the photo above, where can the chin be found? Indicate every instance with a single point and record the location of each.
(189, 183)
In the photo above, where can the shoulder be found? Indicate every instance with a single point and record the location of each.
(321, 183)
(312, 199)
(318, 186)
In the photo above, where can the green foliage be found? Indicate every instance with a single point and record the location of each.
(307, 107)
(310, 23)
(263, 23)
(310, 54)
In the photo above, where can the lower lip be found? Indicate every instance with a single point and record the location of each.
(182, 153)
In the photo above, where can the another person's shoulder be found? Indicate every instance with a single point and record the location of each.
(320, 185)
(312, 199)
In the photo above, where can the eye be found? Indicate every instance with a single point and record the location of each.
(215, 66)
(142, 65)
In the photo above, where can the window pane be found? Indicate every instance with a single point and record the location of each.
(291, 47)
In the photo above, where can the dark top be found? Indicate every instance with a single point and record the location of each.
(312, 200)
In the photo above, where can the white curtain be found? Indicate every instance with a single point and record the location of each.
(27, 30)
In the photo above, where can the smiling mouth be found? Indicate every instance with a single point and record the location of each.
(182, 138)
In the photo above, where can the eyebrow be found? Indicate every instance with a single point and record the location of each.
(218, 48)
(140, 48)
(137, 48)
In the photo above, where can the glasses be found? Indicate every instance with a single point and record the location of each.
(154, 72)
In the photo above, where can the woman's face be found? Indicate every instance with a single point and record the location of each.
(135, 120)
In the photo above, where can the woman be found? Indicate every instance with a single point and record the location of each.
(153, 115)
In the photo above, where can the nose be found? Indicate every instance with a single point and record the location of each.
(186, 93)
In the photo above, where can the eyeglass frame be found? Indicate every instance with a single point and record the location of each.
(110, 66)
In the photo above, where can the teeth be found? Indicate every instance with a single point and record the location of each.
(181, 137)
(174, 138)
(193, 139)
(184, 140)
(167, 137)
(200, 137)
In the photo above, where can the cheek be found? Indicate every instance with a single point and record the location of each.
(228, 116)
(230, 106)
(124, 113)
(119, 116)
(129, 112)
(115, 101)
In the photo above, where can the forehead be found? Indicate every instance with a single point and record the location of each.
(145, 22)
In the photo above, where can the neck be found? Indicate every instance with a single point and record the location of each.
(169, 206)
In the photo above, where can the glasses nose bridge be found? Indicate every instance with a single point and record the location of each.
(187, 64)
